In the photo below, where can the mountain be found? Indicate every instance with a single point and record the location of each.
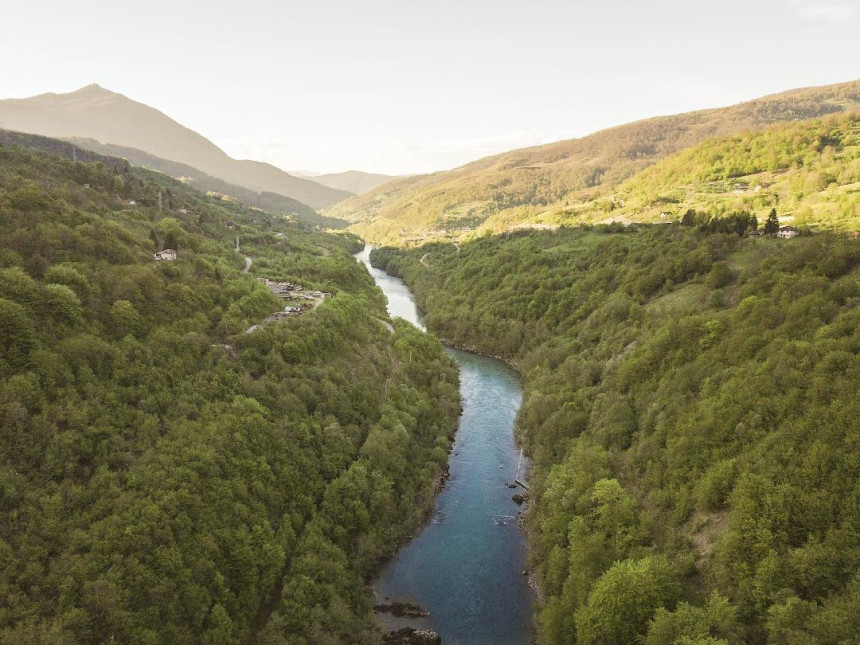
(537, 184)
(272, 202)
(96, 113)
(353, 181)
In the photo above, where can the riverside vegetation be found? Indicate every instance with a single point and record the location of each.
(691, 412)
(165, 476)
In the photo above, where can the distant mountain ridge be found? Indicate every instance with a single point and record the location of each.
(65, 149)
(352, 181)
(96, 113)
(272, 202)
(529, 185)
(121, 159)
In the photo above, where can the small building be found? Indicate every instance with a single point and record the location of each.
(787, 232)
(167, 255)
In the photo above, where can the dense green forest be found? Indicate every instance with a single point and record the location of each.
(691, 412)
(573, 181)
(167, 477)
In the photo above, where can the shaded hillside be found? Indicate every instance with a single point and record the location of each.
(65, 149)
(353, 181)
(96, 113)
(272, 202)
(502, 191)
(167, 476)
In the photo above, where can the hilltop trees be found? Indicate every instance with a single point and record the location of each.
(738, 223)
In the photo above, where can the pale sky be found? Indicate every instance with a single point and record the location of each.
(406, 86)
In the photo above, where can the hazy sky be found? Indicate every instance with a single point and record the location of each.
(403, 86)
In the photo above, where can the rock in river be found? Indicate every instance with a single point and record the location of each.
(411, 636)
(402, 610)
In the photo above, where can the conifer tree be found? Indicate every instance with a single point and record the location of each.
(771, 226)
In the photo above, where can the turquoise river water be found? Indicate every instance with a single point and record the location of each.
(466, 565)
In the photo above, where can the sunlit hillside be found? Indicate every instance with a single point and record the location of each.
(809, 172)
(542, 184)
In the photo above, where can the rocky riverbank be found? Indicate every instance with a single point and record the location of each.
(402, 610)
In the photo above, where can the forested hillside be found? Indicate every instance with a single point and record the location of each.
(548, 184)
(692, 417)
(166, 476)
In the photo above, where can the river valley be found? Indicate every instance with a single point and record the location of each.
(466, 565)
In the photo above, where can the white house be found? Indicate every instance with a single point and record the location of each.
(167, 255)
(787, 232)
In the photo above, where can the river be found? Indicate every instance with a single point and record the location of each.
(466, 565)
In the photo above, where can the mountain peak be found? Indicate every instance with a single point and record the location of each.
(93, 89)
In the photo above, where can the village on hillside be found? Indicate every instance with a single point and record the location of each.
(296, 301)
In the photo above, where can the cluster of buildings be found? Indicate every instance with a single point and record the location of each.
(288, 290)
(167, 255)
(278, 316)
(785, 232)
(297, 300)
